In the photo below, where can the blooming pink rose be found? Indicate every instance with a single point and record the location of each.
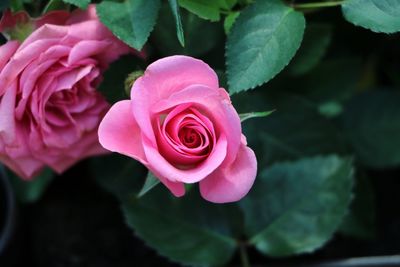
(49, 107)
(184, 129)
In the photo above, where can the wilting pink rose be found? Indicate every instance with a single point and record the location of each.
(184, 129)
(49, 107)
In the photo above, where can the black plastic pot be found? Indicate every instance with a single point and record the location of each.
(7, 210)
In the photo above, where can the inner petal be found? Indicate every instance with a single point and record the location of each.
(190, 137)
(187, 124)
(185, 136)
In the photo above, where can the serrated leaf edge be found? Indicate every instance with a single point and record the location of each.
(227, 48)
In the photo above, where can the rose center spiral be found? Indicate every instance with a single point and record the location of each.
(186, 136)
(190, 138)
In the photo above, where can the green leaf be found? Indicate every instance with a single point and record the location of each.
(54, 5)
(360, 221)
(30, 191)
(299, 135)
(191, 230)
(293, 131)
(131, 21)
(16, 5)
(4, 4)
(261, 43)
(178, 21)
(113, 85)
(376, 15)
(226, 4)
(195, 29)
(205, 9)
(230, 20)
(314, 46)
(82, 4)
(371, 123)
(150, 183)
(250, 115)
(295, 207)
(119, 175)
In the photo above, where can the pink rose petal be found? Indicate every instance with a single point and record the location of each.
(232, 182)
(119, 132)
(6, 51)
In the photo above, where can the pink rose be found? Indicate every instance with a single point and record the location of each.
(184, 129)
(49, 107)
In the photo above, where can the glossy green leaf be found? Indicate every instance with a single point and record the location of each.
(83, 4)
(250, 115)
(230, 20)
(16, 5)
(119, 175)
(150, 182)
(371, 123)
(376, 15)
(314, 46)
(226, 4)
(205, 9)
(261, 43)
(131, 21)
(190, 230)
(295, 207)
(54, 5)
(178, 21)
(30, 191)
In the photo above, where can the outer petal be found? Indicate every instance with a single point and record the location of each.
(62, 158)
(119, 132)
(85, 49)
(172, 74)
(21, 59)
(233, 182)
(7, 117)
(176, 188)
(25, 167)
(6, 52)
(95, 30)
(158, 164)
(42, 36)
